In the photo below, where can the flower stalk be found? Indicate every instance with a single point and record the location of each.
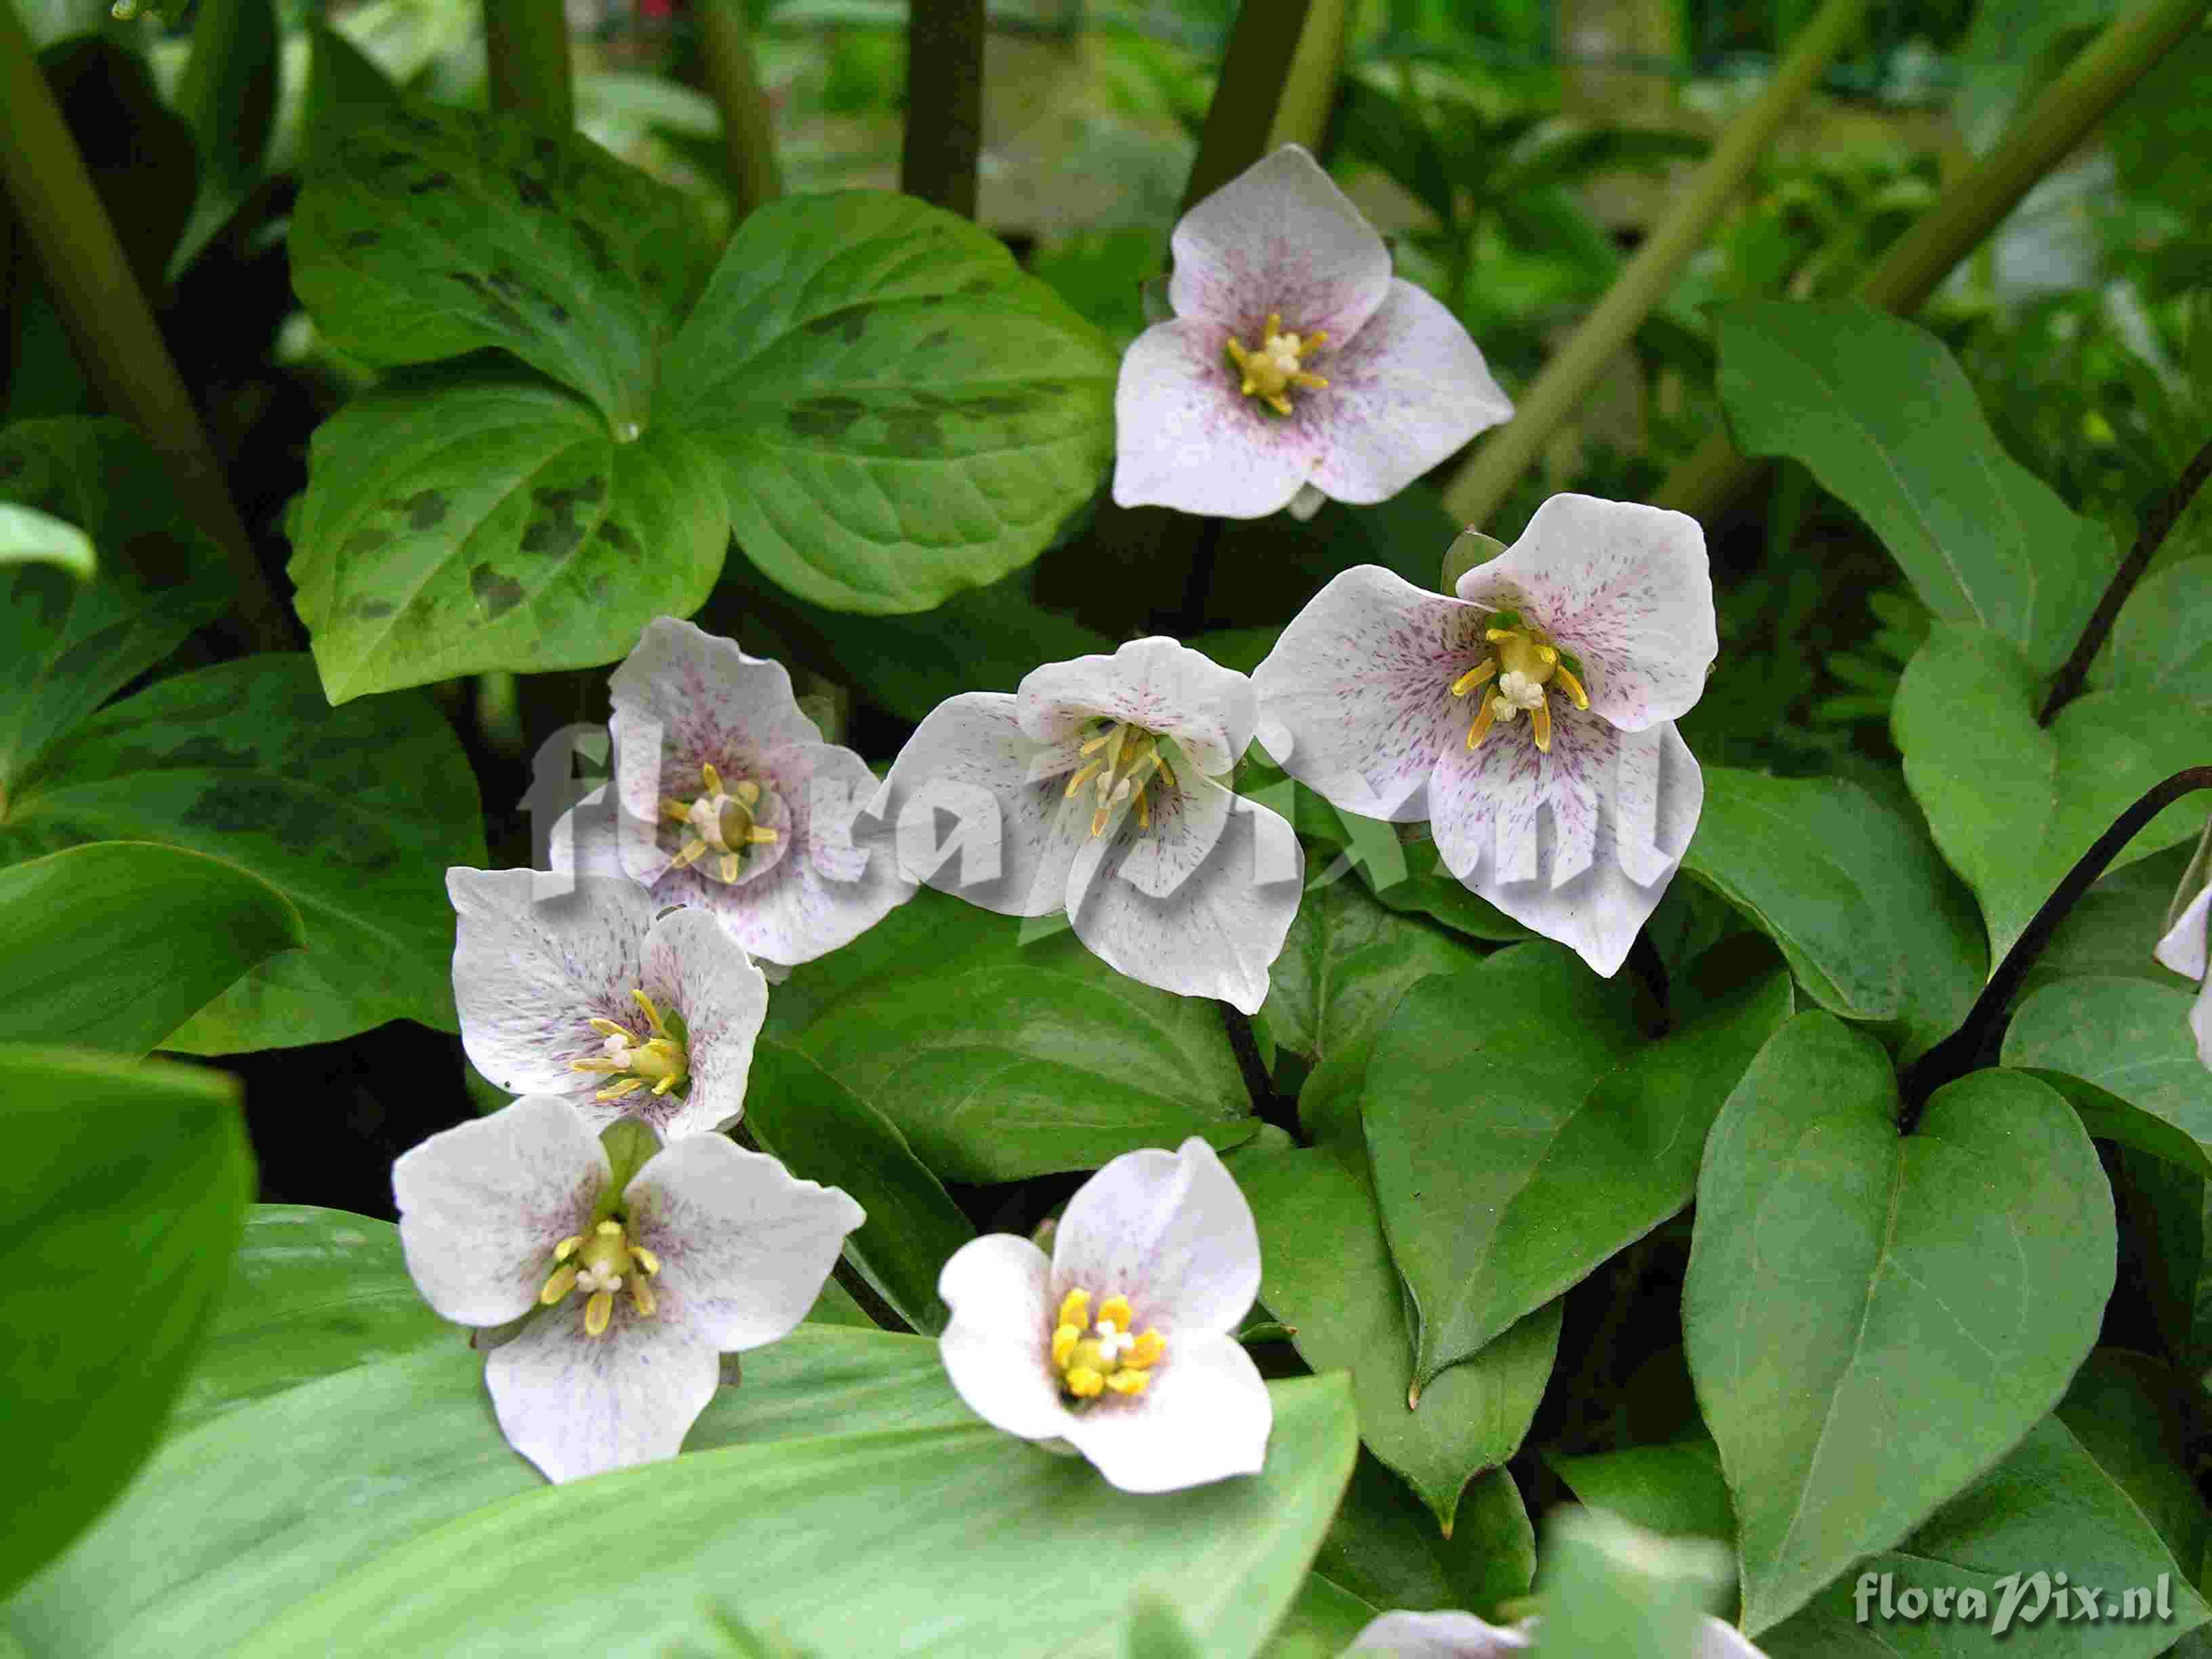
(944, 103)
(1254, 84)
(732, 78)
(527, 60)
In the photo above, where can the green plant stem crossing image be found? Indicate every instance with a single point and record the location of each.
(1106, 828)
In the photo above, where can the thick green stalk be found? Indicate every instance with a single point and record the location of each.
(527, 60)
(747, 128)
(1254, 70)
(1308, 92)
(1485, 479)
(944, 103)
(1975, 204)
(110, 322)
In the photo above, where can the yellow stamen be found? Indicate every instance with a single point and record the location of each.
(1076, 780)
(628, 1085)
(562, 1281)
(1063, 1345)
(675, 811)
(651, 1014)
(1075, 1308)
(645, 1258)
(688, 854)
(607, 1027)
(758, 835)
(1149, 1348)
(1271, 369)
(1084, 1383)
(1481, 728)
(1116, 1309)
(1498, 635)
(599, 1309)
(1144, 814)
(1540, 726)
(713, 779)
(568, 1247)
(747, 793)
(1129, 1382)
(1092, 1359)
(640, 1295)
(729, 865)
(1571, 686)
(1475, 676)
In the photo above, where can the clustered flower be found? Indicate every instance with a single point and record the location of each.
(607, 1238)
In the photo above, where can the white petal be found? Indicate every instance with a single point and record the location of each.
(2200, 1022)
(2184, 947)
(482, 1206)
(1235, 872)
(1157, 683)
(1627, 588)
(1402, 395)
(1359, 686)
(685, 696)
(1205, 1417)
(1186, 438)
(1280, 236)
(976, 807)
(531, 973)
(1578, 844)
(1435, 1636)
(997, 1346)
(576, 1405)
(1718, 1639)
(744, 1245)
(693, 965)
(1171, 1231)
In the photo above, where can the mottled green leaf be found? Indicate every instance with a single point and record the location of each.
(123, 1187)
(353, 814)
(457, 521)
(1845, 1279)
(896, 411)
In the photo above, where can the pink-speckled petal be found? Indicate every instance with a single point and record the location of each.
(1206, 1417)
(976, 807)
(578, 1405)
(1170, 1231)
(695, 967)
(1185, 438)
(685, 697)
(483, 1206)
(531, 974)
(1157, 684)
(2186, 946)
(996, 1345)
(744, 1245)
(1356, 697)
(1626, 588)
(1578, 844)
(1281, 236)
(1435, 1636)
(1221, 926)
(1403, 394)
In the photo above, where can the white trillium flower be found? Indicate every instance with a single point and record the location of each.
(587, 996)
(1463, 1636)
(709, 1249)
(1296, 367)
(2188, 942)
(727, 799)
(1531, 719)
(1122, 1343)
(1093, 789)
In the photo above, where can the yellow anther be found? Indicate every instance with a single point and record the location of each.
(1571, 686)
(1539, 727)
(1269, 370)
(1076, 780)
(1075, 1308)
(1129, 1382)
(1312, 382)
(607, 1027)
(568, 1247)
(675, 810)
(1497, 635)
(729, 865)
(627, 1085)
(645, 1258)
(1116, 1309)
(562, 1281)
(1144, 814)
(1548, 655)
(711, 778)
(1084, 1383)
(747, 793)
(608, 1229)
(1483, 717)
(761, 836)
(599, 1309)
(1063, 1345)
(641, 1296)
(651, 1014)
(688, 854)
(1149, 1347)
(1475, 676)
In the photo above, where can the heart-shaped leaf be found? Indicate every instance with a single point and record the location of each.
(1844, 1280)
(2122, 1051)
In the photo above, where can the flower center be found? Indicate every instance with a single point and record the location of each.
(599, 1263)
(659, 1061)
(1091, 1358)
(720, 822)
(1527, 667)
(1270, 372)
(1123, 762)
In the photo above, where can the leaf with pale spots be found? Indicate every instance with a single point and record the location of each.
(456, 521)
(424, 234)
(351, 814)
(896, 411)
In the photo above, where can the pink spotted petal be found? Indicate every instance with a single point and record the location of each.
(1186, 438)
(1281, 236)
(1158, 684)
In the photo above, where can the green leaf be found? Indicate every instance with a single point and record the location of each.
(426, 233)
(1322, 1623)
(228, 93)
(2014, 804)
(2127, 1410)
(124, 1185)
(2167, 1206)
(1845, 1279)
(1522, 1131)
(1880, 412)
(72, 644)
(1327, 1272)
(2104, 935)
(352, 814)
(824, 1131)
(2047, 1507)
(1872, 924)
(1610, 1588)
(115, 944)
(1155, 1633)
(2122, 1051)
(999, 1060)
(344, 87)
(30, 537)
(456, 521)
(1675, 1488)
(2161, 642)
(896, 411)
(1385, 1548)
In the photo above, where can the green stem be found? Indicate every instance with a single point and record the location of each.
(1482, 482)
(944, 103)
(527, 60)
(1308, 90)
(1975, 204)
(110, 323)
(1254, 71)
(748, 127)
